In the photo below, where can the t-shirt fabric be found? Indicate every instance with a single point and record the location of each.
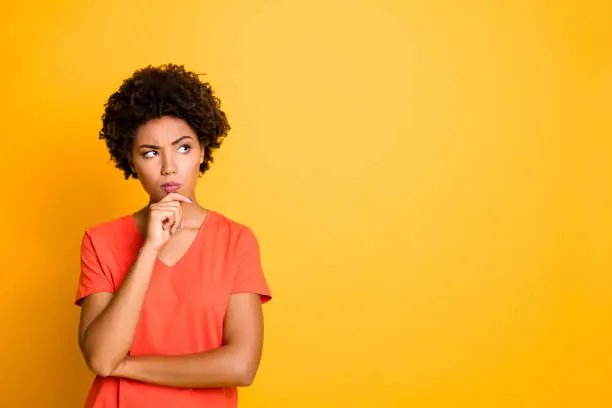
(184, 307)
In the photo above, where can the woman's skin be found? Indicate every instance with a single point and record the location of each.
(167, 150)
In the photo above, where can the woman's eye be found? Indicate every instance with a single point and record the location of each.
(186, 148)
(150, 154)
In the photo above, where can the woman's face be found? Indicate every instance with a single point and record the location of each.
(166, 155)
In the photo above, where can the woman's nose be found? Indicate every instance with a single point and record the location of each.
(168, 171)
(168, 167)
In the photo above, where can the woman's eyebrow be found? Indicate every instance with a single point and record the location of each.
(173, 143)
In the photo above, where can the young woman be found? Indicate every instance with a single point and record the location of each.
(171, 295)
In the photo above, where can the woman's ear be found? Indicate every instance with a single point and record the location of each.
(131, 164)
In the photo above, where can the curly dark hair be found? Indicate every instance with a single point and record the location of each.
(153, 92)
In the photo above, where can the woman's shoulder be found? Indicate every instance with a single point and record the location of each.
(113, 228)
(229, 228)
(225, 222)
(125, 227)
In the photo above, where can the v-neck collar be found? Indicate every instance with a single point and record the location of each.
(191, 247)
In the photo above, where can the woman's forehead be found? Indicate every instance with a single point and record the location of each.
(163, 130)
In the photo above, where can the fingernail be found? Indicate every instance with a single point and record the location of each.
(190, 200)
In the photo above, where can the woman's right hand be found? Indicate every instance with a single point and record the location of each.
(164, 219)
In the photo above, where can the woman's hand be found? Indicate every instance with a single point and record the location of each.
(165, 217)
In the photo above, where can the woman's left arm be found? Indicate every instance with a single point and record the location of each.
(234, 364)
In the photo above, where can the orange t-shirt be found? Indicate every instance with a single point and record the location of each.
(184, 306)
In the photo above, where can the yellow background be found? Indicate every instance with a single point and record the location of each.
(430, 182)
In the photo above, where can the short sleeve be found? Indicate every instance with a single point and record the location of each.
(92, 278)
(249, 276)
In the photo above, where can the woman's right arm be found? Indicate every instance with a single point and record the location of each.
(108, 321)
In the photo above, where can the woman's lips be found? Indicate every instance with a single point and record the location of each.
(171, 187)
